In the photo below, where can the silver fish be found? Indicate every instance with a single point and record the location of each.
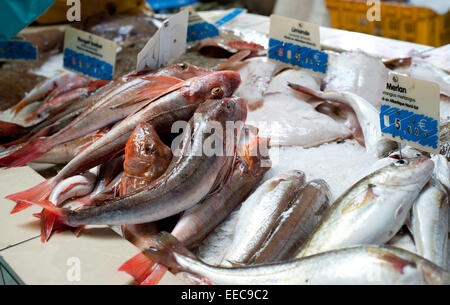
(259, 213)
(429, 223)
(357, 265)
(373, 210)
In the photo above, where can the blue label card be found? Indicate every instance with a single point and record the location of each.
(229, 16)
(89, 54)
(17, 49)
(410, 112)
(199, 29)
(297, 44)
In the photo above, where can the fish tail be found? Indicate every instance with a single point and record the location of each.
(33, 150)
(143, 270)
(163, 251)
(49, 216)
(35, 194)
(47, 223)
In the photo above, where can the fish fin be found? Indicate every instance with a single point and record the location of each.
(162, 85)
(143, 269)
(194, 279)
(163, 251)
(33, 150)
(37, 193)
(79, 230)
(47, 205)
(235, 264)
(233, 59)
(305, 90)
(97, 84)
(156, 275)
(245, 45)
(47, 222)
(360, 199)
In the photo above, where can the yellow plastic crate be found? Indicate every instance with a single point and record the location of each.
(398, 21)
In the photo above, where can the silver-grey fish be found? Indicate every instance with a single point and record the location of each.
(429, 223)
(259, 213)
(373, 210)
(357, 265)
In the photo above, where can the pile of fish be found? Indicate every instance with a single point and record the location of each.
(186, 148)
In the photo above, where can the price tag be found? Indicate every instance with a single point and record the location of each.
(89, 54)
(199, 29)
(410, 112)
(296, 43)
(230, 16)
(168, 43)
(17, 49)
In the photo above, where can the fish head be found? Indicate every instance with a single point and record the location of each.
(415, 172)
(215, 85)
(146, 156)
(253, 158)
(184, 71)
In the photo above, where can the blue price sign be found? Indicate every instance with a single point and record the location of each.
(87, 65)
(230, 16)
(17, 49)
(409, 112)
(198, 29)
(89, 54)
(302, 57)
(296, 43)
(410, 126)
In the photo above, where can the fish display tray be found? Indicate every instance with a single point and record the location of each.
(398, 21)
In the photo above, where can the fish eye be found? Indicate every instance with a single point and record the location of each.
(147, 148)
(216, 91)
(401, 162)
(182, 66)
(228, 105)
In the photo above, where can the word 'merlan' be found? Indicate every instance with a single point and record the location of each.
(395, 88)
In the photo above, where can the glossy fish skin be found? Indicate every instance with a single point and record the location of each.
(42, 90)
(146, 158)
(178, 105)
(76, 186)
(189, 179)
(368, 117)
(259, 213)
(372, 210)
(373, 265)
(295, 224)
(429, 223)
(196, 223)
(113, 103)
(64, 153)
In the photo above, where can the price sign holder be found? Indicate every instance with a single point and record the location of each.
(296, 43)
(89, 54)
(410, 112)
(198, 28)
(18, 49)
(167, 44)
